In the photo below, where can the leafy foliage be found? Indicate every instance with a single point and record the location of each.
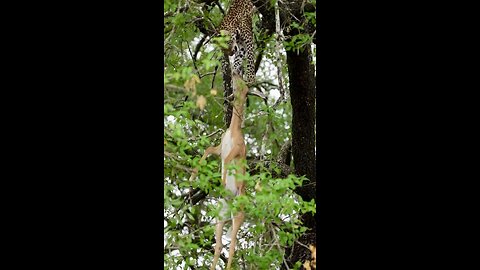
(193, 121)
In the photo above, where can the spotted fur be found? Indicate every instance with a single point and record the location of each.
(238, 25)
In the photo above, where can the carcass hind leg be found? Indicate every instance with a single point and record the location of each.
(236, 223)
(218, 245)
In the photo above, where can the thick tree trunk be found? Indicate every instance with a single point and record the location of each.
(302, 91)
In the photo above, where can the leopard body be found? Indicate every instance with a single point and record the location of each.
(238, 25)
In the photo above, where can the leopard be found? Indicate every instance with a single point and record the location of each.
(237, 24)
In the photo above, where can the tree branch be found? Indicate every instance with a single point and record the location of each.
(198, 46)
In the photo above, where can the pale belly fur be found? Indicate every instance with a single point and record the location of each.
(227, 145)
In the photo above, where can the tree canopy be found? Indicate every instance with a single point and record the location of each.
(278, 232)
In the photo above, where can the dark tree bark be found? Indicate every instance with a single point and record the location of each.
(301, 73)
(227, 90)
(302, 93)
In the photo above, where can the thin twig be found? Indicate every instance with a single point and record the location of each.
(280, 248)
(263, 150)
(208, 73)
(256, 115)
(279, 40)
(170, 155)
(209, 135)
(169, 36)
(208, 40)
(185, 168)
(220, 7)
(214, 74)
(198, 46)
(177, 10)
(174, 87)
(301, 244)
(194, 60)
